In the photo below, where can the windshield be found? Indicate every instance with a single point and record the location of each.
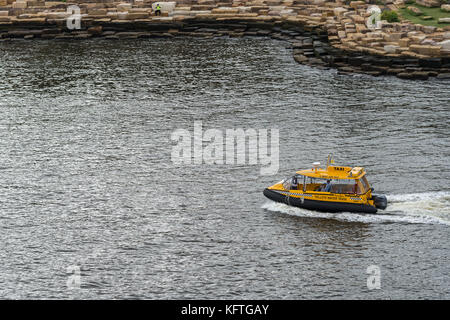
(365, 186)
(293, 183)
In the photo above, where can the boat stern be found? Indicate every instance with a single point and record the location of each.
(380, 201)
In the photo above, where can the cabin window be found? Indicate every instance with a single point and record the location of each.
(318, 184)
(365, 184)
(343, 186)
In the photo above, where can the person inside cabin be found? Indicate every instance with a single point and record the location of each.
(294, 184)
(326, 187)
(158, 10)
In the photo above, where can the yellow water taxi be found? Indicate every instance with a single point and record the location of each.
(333, 189)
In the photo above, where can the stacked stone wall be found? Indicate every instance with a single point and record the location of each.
(321, 33)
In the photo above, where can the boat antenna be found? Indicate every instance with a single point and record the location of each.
(329, 160)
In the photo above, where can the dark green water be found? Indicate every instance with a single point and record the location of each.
(87, 178)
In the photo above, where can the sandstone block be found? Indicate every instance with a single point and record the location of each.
(112, 15)
(391, 48)
(429, 29)
(420, 75)
(394, 36)
(356, 4)
(222, 10)
(179, 13)
(418, 38)
(405, 75)
(97, 12)
(124, 7)
(404, 42)
(300, 58)
(50, 4)
(57, 15)
(245, 9)
(339, 12)
(443, 76)
(163, 19)
(429, 3)
(103, 20)
(34, 20)
(122, 15)
(134, 16)
(20, 4)
(445, 45)
(414, 11)
(97, 30)
(425, 49)
(165, 6)
(361, 28)
(358, 19)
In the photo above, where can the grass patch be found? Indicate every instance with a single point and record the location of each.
(435, 13)
(390, 16)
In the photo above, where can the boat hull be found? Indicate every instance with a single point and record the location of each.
(324, 206)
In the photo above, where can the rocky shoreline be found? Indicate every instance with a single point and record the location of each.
(332, 35)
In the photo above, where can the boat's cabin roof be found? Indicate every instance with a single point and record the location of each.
(334, 172)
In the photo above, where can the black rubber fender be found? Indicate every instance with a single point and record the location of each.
(380, 201)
